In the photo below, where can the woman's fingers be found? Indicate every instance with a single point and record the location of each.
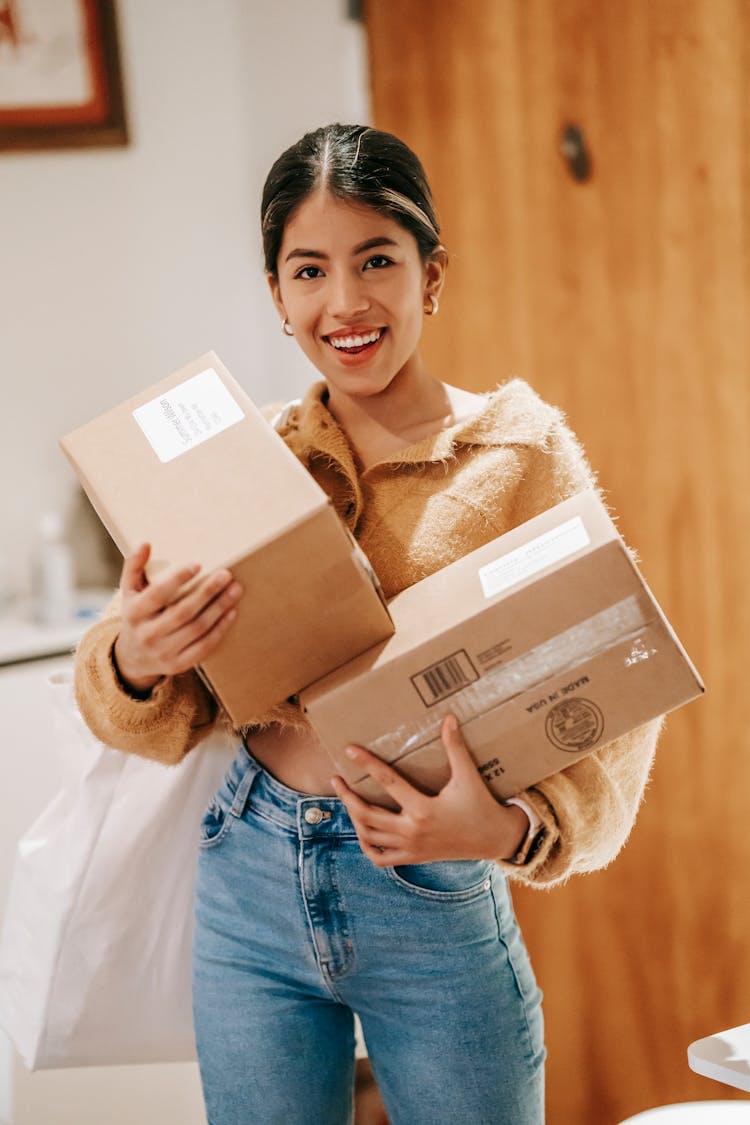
(200, 629)
(387, 837)
(197, 651)
(159, 593)
(167, 606)
(203, 603)
(394, 784)
(171, 641)
(133, 578)
(369, 816)
(462, 764)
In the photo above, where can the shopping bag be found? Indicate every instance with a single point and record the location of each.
(96, 940)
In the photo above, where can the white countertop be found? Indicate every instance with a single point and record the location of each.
(22, 638)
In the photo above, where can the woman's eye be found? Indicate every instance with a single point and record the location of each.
(309, 273)
(378, 262)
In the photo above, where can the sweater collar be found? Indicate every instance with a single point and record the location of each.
(512, 414)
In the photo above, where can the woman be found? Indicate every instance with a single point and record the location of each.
(311, 903)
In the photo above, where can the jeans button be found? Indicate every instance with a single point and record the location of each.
(314, 815)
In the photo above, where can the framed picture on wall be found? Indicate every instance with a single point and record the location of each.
(60, 75)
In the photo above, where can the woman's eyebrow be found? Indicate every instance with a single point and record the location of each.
(301, 253)
(371, 243)
(319, 255)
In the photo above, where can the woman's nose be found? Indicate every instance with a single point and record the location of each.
(347, 296)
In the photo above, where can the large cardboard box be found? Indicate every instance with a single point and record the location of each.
(545, 643)
(191, 466)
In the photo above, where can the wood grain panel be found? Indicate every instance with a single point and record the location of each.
(625, 300)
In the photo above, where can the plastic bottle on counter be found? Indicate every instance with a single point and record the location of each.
(54, 600)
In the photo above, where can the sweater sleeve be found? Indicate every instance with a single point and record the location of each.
(164, 727)
(588, 809)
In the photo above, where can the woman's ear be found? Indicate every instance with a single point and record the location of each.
(435, 269)
(273, 285)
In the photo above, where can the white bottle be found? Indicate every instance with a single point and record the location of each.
(54, 573)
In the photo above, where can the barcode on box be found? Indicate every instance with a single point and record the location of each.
(445, 677)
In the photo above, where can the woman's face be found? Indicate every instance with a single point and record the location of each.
(353, 286)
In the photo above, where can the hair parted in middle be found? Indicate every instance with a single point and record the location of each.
(356, 163)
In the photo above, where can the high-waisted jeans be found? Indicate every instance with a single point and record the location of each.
(296, 930)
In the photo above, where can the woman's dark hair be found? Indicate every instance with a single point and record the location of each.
(355, 163)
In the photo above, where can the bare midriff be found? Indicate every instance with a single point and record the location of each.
(295, 758)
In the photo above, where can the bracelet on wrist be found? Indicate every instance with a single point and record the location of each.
(532, 841)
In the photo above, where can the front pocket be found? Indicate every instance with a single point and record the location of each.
(455, 880)
(228, 803)
(213, 821)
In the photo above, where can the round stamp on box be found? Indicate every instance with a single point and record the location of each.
(574, 725)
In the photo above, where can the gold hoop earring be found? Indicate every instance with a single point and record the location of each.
(432, 309)
(286, 328)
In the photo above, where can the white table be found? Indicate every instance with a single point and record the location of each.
(724, 1057)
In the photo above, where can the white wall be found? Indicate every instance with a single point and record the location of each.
(119, 265)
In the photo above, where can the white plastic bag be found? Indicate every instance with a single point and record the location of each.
(96, 942)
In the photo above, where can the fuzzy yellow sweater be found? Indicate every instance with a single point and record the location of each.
(428, 505)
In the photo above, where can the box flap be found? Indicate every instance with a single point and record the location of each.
(190, 465)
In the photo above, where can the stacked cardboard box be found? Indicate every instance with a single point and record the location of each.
(546, 644)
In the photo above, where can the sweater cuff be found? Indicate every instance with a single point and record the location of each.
(545, 844)
(96, 659)
(163, 727)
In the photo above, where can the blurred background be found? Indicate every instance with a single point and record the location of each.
(591, 164)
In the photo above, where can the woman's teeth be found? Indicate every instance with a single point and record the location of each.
(355, 341)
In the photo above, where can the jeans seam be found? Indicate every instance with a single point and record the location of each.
(324, 975)
(530, 1053)
(343, 924)
(468, 895)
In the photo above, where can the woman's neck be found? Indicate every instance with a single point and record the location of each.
(414, 406)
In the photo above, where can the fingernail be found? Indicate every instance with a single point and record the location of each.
(451, 722)
(352, 751)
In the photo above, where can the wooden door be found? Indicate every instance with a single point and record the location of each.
(623, 298)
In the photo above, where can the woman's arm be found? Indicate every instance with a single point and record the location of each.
(134, 679)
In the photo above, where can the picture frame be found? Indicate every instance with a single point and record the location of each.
(60, 75)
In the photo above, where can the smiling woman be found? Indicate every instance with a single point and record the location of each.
(311, 903)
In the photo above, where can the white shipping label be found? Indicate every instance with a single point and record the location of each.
(545, 550)
(188, 414)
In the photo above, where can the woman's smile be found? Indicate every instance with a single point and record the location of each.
(354, 346)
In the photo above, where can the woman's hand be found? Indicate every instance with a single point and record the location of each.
(170, 624)
(463, 821)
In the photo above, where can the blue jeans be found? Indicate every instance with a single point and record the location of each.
(296, 930)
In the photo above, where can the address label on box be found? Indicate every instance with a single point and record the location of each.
(545, 550)
(187, 415)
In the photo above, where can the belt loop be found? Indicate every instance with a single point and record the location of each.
(243, 789)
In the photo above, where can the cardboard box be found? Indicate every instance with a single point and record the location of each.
(191, 466)
(545, 643)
